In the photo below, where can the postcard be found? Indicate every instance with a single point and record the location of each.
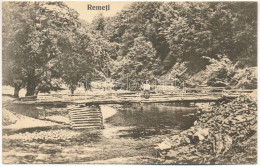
(129, 82)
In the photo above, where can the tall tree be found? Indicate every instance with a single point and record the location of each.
(194, 30)
(188, 31)
(33, 29)
(139, 64)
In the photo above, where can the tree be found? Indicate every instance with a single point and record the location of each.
(74, 61)
(86, 54)
(140, 63)
(31, 31)
(98, 23)
(15, 31)
(195, 30)
(186, 32)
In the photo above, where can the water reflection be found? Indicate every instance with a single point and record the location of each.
(131, 130)
(152, 119)
(134, 121)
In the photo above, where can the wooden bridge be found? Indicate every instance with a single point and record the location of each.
(85, 118)
(129, 100)
(191, 95)
(135, 97)
(84, 111)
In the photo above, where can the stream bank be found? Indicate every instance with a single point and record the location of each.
(225, 133)
(221, 133)
(130, 135)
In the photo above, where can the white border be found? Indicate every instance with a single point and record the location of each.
(258, 63)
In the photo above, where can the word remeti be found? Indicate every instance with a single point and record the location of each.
(105, 7)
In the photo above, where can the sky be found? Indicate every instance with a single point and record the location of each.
(88, 15)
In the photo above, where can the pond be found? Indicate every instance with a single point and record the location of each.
(152, 119)
(129, 136)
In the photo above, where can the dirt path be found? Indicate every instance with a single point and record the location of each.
(24, 122)
(20, 122)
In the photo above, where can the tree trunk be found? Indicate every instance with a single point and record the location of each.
(72, 90)
(30, 90)
(87, 85)
(16, 91)
(31, 84)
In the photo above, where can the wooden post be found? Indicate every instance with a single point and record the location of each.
(183, 89)
(127, 82)
(155, 85)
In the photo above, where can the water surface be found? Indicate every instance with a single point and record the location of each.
(130, 135)
(152, 119)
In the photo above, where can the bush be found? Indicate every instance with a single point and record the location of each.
(222, 72)
(245, 78)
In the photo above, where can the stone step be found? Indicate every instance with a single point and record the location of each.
(87, 123)
(86, 120)
(85, 113)
(84, 116)
(87, 127)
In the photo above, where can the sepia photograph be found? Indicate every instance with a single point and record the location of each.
(129, 82)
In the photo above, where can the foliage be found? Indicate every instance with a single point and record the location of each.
(219, 72)
(34, 30)
(222, 72)
(245, 78)
(74, 62)
(187, 32)
(177, 75)
(140, 63)
(146, 40)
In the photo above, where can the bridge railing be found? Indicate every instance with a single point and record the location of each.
(200, 91)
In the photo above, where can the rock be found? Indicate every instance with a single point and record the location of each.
(187, 139)
(172, 154)
(8, 117)
(227, 142)
(201, 137)
(165, 145)
(217, 129)
(202, 133)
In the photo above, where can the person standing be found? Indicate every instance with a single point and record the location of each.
(146, 89)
